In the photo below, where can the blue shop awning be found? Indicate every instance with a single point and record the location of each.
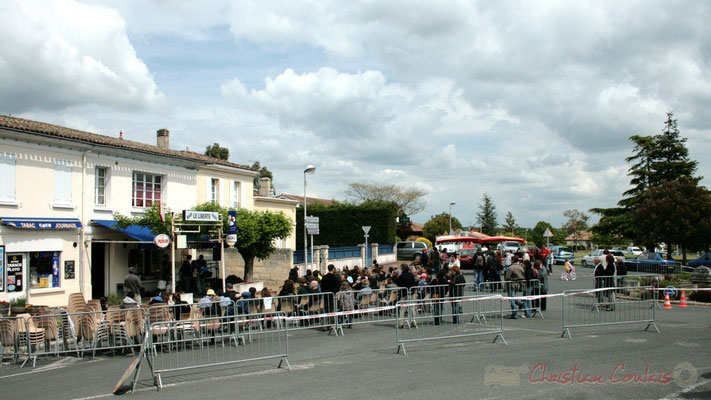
(41, 223)
(139, 233)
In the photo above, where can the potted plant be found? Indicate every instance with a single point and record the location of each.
(4, 308)
(18, 305)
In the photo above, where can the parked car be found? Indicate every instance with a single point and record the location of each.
(466, 258)
(704, 260)
(589, 260)
(651, 262)
(622, 249)
(633, 251)
(561, 254)
(509, 246)
(411, 250)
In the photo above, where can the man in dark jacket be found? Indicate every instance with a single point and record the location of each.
(186, 274)
(330, 284)
(515, 276)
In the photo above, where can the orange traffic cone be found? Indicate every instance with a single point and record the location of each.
(682, 302)
(667, 303)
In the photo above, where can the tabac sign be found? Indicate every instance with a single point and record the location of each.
(192, 215)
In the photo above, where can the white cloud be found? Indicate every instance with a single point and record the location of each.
(63, 53)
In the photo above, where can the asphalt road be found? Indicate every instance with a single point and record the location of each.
(364, 364)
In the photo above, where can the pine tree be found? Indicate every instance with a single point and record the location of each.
(510, 224)
(670, 157)
(486, 217)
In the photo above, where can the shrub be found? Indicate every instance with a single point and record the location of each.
(425, 240)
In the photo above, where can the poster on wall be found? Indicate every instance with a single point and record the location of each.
(55, 269)
(2, 268)
(69, 269)
(14, 273)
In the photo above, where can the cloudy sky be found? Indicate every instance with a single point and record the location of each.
(531, 102)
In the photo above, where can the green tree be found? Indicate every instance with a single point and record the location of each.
(216, 151)
(510, 224)
(150, 219)
(576, 224)
(538, 231)
(677, 212)
(408, 200)
(263, 172)
(439, 225)
(670, 155)
(486, 217)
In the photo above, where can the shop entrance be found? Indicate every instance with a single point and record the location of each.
(98, 270)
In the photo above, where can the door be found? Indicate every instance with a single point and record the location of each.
(98, 270)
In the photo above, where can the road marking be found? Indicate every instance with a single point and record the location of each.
(687, 344)
(634, 340)
(61, 363)
(299, 367)
(676, 395)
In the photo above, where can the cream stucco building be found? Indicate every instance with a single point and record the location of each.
(59, 188)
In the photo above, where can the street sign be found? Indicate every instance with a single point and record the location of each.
(312, 225)
(162, 240)
(193, 215)
(312, 231)
(548, 233)
(366, 229)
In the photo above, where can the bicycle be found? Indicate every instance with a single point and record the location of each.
(569, 275)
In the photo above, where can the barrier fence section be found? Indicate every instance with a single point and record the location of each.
(448, 317)
(622, 285)
(303, 311)
(607, 306)
(373, 306)
(212, 341)
(514, 289)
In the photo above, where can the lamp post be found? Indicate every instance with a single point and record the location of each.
(451, 203)
(310, 169)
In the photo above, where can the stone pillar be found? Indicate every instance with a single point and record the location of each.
(324, 257)
(317, 258)
(374, 250)
(362, 254)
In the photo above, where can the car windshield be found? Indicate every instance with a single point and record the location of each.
(564, 249)
(467, 252)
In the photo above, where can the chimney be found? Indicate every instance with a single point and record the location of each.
(265, 187)
(163, 138)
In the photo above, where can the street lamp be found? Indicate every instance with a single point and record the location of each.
(309, 170)
(451, 203)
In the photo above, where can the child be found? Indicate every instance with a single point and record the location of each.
(346, 302)
(567, 266)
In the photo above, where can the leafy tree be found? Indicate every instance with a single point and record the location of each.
(677, 212)
(576, 224)
(438, 225)
(510, 224)
(216, 151)
(256, 230)
(408, 200)
(656, 160)
(263, 172)
(486, 217)
(538, 231)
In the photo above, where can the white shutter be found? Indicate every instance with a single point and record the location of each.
(63, 182)
(233, 199)
(7, 177)
(208, 189)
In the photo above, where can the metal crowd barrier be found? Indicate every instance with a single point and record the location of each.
(604, 308)
(212, 341)
(304, 311)
(515, 289)
(374, 306)
(12, 343)
(446, 318)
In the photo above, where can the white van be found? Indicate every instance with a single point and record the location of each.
(633, 251)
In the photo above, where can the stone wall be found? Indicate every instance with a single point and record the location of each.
(273, 271)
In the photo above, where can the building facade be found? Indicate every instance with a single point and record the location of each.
(59, 188)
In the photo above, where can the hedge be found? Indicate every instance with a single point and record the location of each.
(340, 224)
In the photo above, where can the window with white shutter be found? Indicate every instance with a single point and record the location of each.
(7, 177)
(63, 182)
(234, 194)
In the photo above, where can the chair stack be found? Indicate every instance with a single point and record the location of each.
(8, 338)
(30, 335)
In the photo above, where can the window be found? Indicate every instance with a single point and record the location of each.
(63, 182)
(100, 186)
(44, 269)
(7, 177)
(235, 194)
(147, 189)
(214, 191)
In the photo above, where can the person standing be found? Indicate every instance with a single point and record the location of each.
(621, 270)
(514, 276)
(132, 283)
(531, 282)
(186, 274)
(543, 279)
(479, 268)
(599, 276)
(436, 260)
(456, 289)
(330, 283)
(200, 272)
(610, 281)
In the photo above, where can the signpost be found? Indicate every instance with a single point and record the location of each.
(548, 234)
(312, 227)
(366, 229)
(231, 228)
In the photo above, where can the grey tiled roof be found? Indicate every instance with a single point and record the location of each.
(42, 128)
